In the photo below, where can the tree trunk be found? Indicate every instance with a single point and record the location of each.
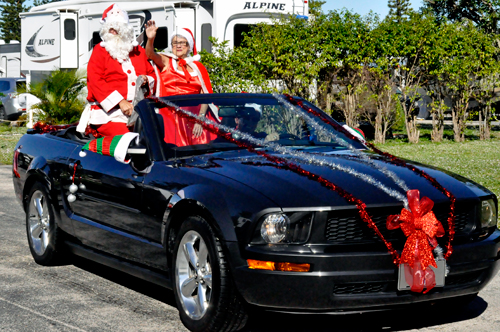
(350, 109)
(484, 123)
(458, 126)
(437, 128)
(379, 135)
(412, 129)
(410, 121)
(438, 123)
(459, 117)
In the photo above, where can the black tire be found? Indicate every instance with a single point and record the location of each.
(44, 236)
(3, 116)
(223, 310)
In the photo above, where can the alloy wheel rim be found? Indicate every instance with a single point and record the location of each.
(39, 223)
(193, 274)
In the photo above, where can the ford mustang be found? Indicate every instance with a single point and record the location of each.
(279, 208)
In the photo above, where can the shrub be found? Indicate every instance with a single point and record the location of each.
(61, 95)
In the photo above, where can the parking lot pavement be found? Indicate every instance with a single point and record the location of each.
(85, 296)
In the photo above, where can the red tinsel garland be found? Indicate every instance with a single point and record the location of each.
(395, 161)
(285, 164)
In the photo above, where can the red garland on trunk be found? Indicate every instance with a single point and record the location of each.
(46, 128)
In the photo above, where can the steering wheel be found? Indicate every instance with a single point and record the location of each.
(289, 136)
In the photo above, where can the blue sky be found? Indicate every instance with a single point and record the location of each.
(364, 6)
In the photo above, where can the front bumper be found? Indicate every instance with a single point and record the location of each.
(356, 281)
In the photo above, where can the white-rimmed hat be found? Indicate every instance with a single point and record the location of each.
(186, 33)
(114, 14)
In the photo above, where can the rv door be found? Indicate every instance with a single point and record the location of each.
(69, 40)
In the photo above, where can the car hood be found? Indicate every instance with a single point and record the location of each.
(289, 189)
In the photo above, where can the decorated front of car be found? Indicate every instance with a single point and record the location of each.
(347, 227)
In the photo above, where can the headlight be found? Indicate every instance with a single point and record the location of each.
(283, 228)
(274, 228)
(488, 214)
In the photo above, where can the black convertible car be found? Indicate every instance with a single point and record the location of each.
(282, 209)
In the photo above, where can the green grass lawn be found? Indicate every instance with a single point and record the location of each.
(476, 160)
(8, 139)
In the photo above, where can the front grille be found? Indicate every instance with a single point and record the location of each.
(347, 226)
(359, 288)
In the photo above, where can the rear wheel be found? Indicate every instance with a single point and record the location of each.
(205, 294)
(41, 228)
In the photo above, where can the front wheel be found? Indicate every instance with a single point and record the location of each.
(41, 228)
(204, 292)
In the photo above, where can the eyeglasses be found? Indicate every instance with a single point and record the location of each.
(182, 43)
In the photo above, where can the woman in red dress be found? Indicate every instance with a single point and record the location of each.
(181, 74)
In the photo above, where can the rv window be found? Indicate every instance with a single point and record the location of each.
(161, 40)
(239, 29)
(96, 38)
(206, 32)
(69, 29)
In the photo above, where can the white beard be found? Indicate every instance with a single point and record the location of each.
(118, 46)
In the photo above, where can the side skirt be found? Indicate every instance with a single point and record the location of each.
(121, 265)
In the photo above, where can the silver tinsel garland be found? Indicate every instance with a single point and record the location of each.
(297, 155)
(320, 128)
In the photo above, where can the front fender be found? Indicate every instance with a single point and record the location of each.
(210, 199)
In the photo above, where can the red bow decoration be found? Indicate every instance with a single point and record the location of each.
(421, 228)
(183, 64)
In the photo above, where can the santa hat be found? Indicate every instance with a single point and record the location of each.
(114, 146)
(114, 14)
(186, 33)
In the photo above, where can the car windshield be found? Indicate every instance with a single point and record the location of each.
(255, 119)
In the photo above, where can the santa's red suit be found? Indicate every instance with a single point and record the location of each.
(109, 82)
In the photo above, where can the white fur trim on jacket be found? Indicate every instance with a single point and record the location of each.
(84, 119)
(111, 101)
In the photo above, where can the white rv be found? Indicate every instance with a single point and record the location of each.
(63, 34)
(10, 59)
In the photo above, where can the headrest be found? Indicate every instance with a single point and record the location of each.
(239, 112)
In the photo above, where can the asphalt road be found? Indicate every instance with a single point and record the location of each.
(85, 296)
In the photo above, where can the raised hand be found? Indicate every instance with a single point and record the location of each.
(151, 29)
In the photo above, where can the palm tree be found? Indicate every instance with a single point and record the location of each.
(61, 95)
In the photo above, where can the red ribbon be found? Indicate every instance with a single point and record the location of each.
(421, 227)
(183, 65)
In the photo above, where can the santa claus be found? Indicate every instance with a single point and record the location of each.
(112, 72)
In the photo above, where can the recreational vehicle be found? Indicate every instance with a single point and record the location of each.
(10, 59)
(63, 34)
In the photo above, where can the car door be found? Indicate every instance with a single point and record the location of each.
(107, 211)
